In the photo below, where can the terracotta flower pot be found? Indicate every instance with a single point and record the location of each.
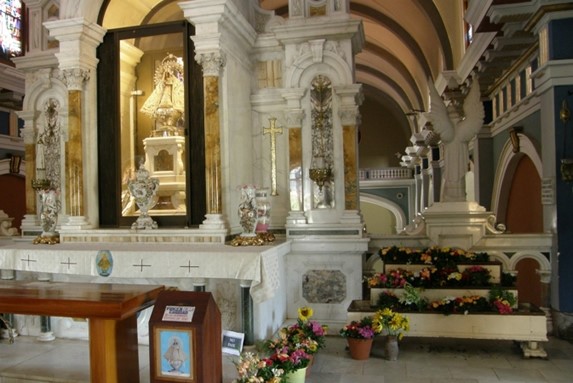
(359, 348)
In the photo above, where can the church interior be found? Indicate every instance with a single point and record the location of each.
(271, 152)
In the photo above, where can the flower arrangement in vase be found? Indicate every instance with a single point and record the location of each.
(394, 324)
(307, 332)
(296, 344)
(285, 355)
(391, 322)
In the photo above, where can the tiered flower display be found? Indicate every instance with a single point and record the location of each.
(431, 277)
(413, 271)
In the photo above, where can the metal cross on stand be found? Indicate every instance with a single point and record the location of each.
(273, 131)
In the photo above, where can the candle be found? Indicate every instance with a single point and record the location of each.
(40, 162)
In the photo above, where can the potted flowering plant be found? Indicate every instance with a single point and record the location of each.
(362, 329)
(360, 335)
(476, 276)
(288, 357)
(293, 349)
(254, 369)
(503, 301)
(395, 325)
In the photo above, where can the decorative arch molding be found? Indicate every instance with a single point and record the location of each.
(88, 9)
(43, 89)
(305, 69)
(389, 205)
(501, 257)
(544, 264)
(506, 168)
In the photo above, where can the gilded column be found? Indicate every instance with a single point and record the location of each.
(350, 151)
(74, 79)
(212, 63)
(295, 168)
(294, 118)
(350, 98)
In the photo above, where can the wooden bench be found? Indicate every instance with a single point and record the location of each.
(111, 312)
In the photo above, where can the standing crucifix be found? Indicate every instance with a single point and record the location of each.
(273, 131)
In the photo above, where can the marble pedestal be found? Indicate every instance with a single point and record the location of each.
(325, 273)
(456, 224)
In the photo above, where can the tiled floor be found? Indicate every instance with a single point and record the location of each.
(421, 360)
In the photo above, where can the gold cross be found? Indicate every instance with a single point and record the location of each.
(273, 131)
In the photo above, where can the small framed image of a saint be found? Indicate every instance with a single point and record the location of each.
(174, 354)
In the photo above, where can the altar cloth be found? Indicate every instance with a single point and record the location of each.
(258, 264)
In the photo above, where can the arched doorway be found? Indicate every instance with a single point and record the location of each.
(524, 215)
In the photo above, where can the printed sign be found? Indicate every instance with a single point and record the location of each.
(178, 313)
(233, 342)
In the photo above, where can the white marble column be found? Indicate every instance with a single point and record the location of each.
(78, 39)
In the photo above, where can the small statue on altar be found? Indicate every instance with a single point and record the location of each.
(456, 132)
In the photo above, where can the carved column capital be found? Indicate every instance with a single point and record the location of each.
(349, 115)
(294, 118)
(74, 78)
(212, 62)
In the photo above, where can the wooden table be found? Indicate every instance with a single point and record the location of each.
(111, 311)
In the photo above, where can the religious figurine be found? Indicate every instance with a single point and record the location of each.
(455, 133)
(175, 356)
(167, 101)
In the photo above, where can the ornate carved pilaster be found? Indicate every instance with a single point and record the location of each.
(78, 41)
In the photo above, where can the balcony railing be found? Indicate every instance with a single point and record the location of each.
(385, 173)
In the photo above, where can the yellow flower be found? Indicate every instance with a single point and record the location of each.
(304, 313)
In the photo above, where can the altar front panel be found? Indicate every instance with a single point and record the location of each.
(223, 270)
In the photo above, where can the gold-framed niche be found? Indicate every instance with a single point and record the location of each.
(150, 113)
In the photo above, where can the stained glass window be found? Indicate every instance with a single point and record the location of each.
(11, 29)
